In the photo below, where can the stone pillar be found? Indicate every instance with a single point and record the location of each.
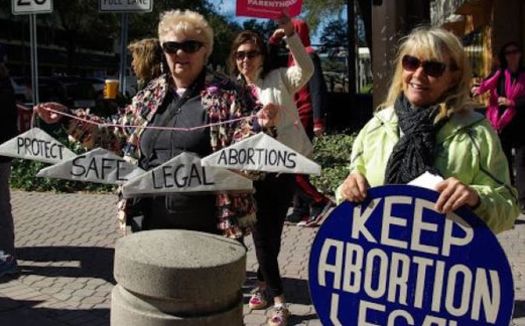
(177, 277)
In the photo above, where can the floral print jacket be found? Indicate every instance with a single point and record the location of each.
(223, 99)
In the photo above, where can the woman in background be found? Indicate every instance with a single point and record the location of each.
(505, 110)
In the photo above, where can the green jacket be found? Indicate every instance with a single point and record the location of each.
(467, 148)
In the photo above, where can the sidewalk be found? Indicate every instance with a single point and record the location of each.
(65, 249)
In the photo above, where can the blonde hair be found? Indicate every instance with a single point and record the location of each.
(434, 43)
(147, 57)
(186, 22)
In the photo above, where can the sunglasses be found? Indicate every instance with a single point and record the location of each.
(431, 68)
(514, 51)
(240, 55)
(186, 46)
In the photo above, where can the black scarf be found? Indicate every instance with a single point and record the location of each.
(414, 152)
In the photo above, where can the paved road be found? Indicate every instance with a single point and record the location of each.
(65, 248)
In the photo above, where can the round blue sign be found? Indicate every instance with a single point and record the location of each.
(394, 260)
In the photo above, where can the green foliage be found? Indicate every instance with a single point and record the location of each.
(332, 152)
(319, 10)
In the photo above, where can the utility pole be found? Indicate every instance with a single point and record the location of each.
(351, 53)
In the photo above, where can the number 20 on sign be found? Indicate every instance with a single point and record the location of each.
(23, 7)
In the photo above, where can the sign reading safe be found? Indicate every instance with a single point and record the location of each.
(394, 260)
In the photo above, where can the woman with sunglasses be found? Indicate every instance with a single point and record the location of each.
(427, 124)
(505, 109)
(249, 62)
(184, 97)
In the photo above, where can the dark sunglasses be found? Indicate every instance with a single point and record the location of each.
(240, 55)
(186, 46)
(514, 51)
(432, 68)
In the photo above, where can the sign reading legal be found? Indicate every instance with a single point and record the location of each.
(272, 9)
(184, 173)
(394, 260)
(125, 5)
(262, 153)
(24, 7)
(98, 165)
(35, 144)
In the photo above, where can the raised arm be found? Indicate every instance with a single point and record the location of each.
(298, 75)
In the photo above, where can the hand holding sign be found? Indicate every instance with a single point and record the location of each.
(454, 194)
(285, 24)
(267, 116)
(354, 187)
(47, 115)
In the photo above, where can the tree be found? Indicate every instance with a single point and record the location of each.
(224, 32)
(78, 20)
(145, 24)
(265, 29)
(319, 10)
(334, 36)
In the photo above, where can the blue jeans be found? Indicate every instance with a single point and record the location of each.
(7, 230)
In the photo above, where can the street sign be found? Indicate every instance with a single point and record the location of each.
(272, 9)
(125, 5)
(395, 260)
(24, 7)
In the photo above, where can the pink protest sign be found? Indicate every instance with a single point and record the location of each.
(268, 8)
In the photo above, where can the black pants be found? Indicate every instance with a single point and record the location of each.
(273, 196)
(508, 143)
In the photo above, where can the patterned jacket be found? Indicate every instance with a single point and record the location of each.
(223, 100)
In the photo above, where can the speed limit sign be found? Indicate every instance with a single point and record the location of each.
(24, 7)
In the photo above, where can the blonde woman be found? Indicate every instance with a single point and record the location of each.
(146, 58)
(427, 124)
(186, 96)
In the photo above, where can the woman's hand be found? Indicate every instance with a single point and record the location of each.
(48, 116)
(454, 194)
(267, 116)
(278, 35)
(285, 23)
(475, 90)
(504, 101)
(355, 187)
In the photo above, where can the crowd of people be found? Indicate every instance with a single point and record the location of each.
(426, 124)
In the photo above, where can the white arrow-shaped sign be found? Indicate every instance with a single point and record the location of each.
(37, 145)
(184, 173)
(98, 165)
(262, 153)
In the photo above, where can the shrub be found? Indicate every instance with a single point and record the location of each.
(332, 152)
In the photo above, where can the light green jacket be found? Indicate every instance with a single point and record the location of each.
(467, 148)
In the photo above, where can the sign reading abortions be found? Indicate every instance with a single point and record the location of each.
(35, 144)
(98, 165)
(394, 260)
(272, 9)
(184, 173)
(262, 153)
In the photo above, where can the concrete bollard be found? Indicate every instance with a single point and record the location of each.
(177, 277)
